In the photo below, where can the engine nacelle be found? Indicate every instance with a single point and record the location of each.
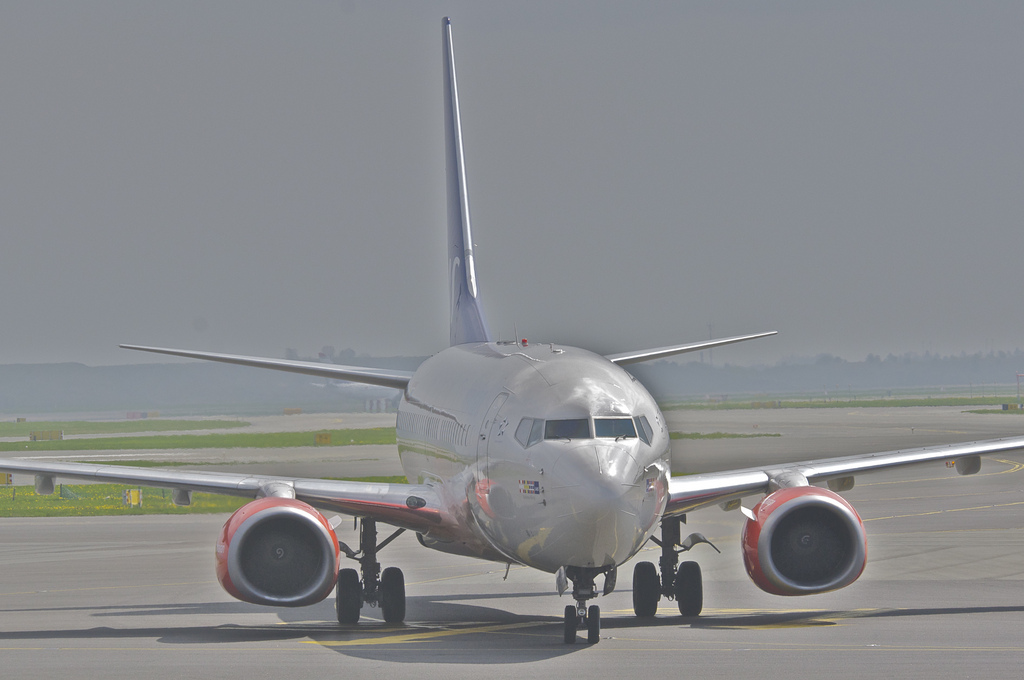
(278, 551)
(804, 540)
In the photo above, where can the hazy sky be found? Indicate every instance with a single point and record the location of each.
(250, 176)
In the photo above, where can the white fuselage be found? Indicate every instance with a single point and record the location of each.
(543, 455)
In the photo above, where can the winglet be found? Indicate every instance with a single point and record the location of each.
(467, 323)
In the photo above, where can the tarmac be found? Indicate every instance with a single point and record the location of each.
(942, 595)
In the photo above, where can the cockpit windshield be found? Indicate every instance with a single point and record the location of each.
(532, 430)
(616, 428)
(577, 428)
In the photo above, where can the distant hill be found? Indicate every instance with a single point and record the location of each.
(202, 388)
(197, 388)
(827, 373)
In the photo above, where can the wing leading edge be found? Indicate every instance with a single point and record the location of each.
(411, 506)
(370, 376)
(692, 492)
(659, 352)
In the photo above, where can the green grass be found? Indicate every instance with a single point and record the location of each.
(91, 500)
(718, 435)
(386, 479)
(255, 440)
(148, 463)
(841, 403)
(8, 429)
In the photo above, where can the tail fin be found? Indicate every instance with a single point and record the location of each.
(467, 323)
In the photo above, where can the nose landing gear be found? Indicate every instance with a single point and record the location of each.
(579, 616)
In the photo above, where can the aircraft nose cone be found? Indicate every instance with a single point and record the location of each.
(606, 466)
(599, 482)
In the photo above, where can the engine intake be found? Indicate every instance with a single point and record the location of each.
(279, 552)
(804, 540)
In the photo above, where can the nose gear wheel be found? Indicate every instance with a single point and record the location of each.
(580, 616)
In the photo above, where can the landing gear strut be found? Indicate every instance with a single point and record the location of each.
(683, 584)
(579, 616)
(386, 590)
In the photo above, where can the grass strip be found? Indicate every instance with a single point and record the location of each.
(92, 500)
(8, 429)
(380, 479)
(254, 440)
(839, 403)
(148, 463)
(718, 435)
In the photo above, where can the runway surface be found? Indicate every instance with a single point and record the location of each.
(942, 596)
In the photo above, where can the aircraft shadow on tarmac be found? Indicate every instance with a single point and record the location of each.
(812, 618)
(457, 633)
(176, 609)
(445, 629)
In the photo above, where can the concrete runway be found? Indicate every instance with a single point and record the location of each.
(942, 596)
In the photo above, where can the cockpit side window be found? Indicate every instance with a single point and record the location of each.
(537, 433)
(576, 428)
(530, 431)
(523, 431)
(614, 427)
(644, 429)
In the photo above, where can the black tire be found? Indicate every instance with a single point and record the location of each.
(689, 587)
(594, 624)
(570, 624)
(392, 595)
(348, 597)
(646, 590)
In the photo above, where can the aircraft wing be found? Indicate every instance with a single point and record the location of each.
(370, 376)
(659, 352)
(412, 506)
(692, 492)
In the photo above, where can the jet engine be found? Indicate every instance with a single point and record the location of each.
(804, 540)
(278, 551)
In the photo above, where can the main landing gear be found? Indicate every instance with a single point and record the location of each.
(386, 589)
(683, 584)
(579, 616)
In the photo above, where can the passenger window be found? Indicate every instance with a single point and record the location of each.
(577, 428)
(614, 427)
(645, 430)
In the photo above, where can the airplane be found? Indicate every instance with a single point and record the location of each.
(541, 455)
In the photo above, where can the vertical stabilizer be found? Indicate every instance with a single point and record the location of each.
(467, 323)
